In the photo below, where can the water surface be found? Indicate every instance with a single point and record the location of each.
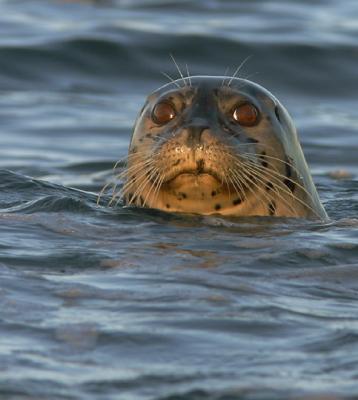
(118, 303)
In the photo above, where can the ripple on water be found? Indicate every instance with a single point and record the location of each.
(108, 303)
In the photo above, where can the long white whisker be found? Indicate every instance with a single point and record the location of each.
(225, 76)
(177, 67)
(188, 74)
(238, 69)
(155, 175)
(286, 190)
(170, 78)
(258, 174)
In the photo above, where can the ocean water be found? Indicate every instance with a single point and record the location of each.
(119, 303)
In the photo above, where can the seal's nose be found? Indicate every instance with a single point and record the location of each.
(195, 129)
(194, 134)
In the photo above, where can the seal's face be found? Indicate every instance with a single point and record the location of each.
(208, 147)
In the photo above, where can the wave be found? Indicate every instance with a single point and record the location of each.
(22, 194)
(133, 58)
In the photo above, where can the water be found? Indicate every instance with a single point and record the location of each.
(113, 303)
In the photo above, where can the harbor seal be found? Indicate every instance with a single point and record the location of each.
(213, 145)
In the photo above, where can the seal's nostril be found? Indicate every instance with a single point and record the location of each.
(200, 165)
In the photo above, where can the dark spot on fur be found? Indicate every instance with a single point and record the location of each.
(277, 113)
(237, 202)
(252, 140)
(176, 163)
(217, 207)
(181, 196)
(291, 185)
(264, 163)
(288, 182)
(141, 140)
(168, 205)
(272, 208)
(148, 135)
(269, 186)
(213, 193)
(268, 118)
(200, 166)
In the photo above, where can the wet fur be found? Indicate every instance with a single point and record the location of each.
(202, 162)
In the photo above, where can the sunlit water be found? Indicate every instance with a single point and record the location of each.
(116, 303)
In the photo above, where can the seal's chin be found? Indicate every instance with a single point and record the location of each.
(198, 185)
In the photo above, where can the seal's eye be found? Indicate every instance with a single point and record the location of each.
(246, 114)
(163, 113)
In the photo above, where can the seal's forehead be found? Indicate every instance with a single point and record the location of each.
(216, 84)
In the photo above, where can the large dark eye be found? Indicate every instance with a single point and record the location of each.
(246, 114)
(163, 113)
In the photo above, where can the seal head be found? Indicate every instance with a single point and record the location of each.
(204, 146)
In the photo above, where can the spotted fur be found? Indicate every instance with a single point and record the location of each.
(203, 162)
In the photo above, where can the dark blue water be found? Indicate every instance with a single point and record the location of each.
(116, 303)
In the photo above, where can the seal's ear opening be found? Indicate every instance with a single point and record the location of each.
(277, 113)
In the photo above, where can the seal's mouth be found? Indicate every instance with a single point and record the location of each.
(199, 171)
(193, 174)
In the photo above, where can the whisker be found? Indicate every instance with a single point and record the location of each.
(177, 67)
(243, 174)
(279, 175)
(153, 184)
(256, 175)
(248, 179)
(271, 158)
(275, 188)
(126, 188)
(142, 183)
(279, 160)
(130, 177)
(140, 179)
(238, 186)
(101, 193)
(170, 79)
(157, 189)
(225, 76)
(188, 74)
(121, 160)
(287, 191)
(238, 69)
